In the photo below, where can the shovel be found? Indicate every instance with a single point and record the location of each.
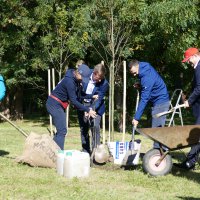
(169, 111)
(99, 152)
(130, 154)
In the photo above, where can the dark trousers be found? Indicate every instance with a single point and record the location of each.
(85, 126)
(59, 120)
(193, 155)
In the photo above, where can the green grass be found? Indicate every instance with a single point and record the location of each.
(19, 181)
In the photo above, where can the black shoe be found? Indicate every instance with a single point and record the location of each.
(185, 165)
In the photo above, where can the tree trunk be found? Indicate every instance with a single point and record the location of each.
(112, 98)
(16, 103)
(112, 74)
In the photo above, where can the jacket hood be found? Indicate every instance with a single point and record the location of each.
(70, 73)
(144, 67)
(1, 78)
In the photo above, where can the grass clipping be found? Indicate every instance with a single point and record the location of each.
(39, 151)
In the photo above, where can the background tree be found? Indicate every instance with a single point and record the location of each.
(169, 28)
(112, 23)
(37, 34)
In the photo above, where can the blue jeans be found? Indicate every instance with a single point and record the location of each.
(160, 121)
(58, 114)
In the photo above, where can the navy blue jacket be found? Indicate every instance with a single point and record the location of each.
(153, 88)
(100, 88)
(68, 90)
(194, 98)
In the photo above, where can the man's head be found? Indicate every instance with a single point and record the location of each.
(191, 56)
(83, 73)
(99, 73)
(134, 67)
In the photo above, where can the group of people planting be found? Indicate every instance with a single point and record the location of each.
(86, 88)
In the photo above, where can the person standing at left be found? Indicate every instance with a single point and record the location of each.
(67, 90)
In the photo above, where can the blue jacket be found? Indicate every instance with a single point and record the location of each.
(2, 88)
(153, 88)
(194, 98)
(68, 90)
(100, 88)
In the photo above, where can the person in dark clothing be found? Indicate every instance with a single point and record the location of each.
(67, 90)
(154, 90)
(95, 85)
(192, 56)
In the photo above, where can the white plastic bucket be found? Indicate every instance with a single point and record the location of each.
(118, 151)
(60, 161)
(76, 164)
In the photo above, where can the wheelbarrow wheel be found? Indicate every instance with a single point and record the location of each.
(149, 163)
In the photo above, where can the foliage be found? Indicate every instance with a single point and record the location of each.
(38, 34)
(169, 28)
(112, 23)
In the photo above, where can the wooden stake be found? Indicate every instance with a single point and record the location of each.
(103, 122)
(49, 92)
(53, 78)
(124, 102)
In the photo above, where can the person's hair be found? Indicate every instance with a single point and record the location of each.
(198, 53)
(79, 62)
(133, 63)
(100, 69)
(77, 74)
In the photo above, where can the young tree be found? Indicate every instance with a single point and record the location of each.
(112, 25)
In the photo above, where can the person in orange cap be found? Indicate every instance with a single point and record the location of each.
(192, 56)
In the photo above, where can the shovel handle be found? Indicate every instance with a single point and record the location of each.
(133, 134)
(167, 112)
(19, 129)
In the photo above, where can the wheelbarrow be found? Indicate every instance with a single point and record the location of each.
(158, 162)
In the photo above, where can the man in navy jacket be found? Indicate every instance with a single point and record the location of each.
(95, 85)
(153, 90)
(192, 56)
(67, 90)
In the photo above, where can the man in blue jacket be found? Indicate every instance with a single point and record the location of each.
(67, 90)
(192, 56)
(153, 90)
(95, 85)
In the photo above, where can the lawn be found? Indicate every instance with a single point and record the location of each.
(19, 181)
